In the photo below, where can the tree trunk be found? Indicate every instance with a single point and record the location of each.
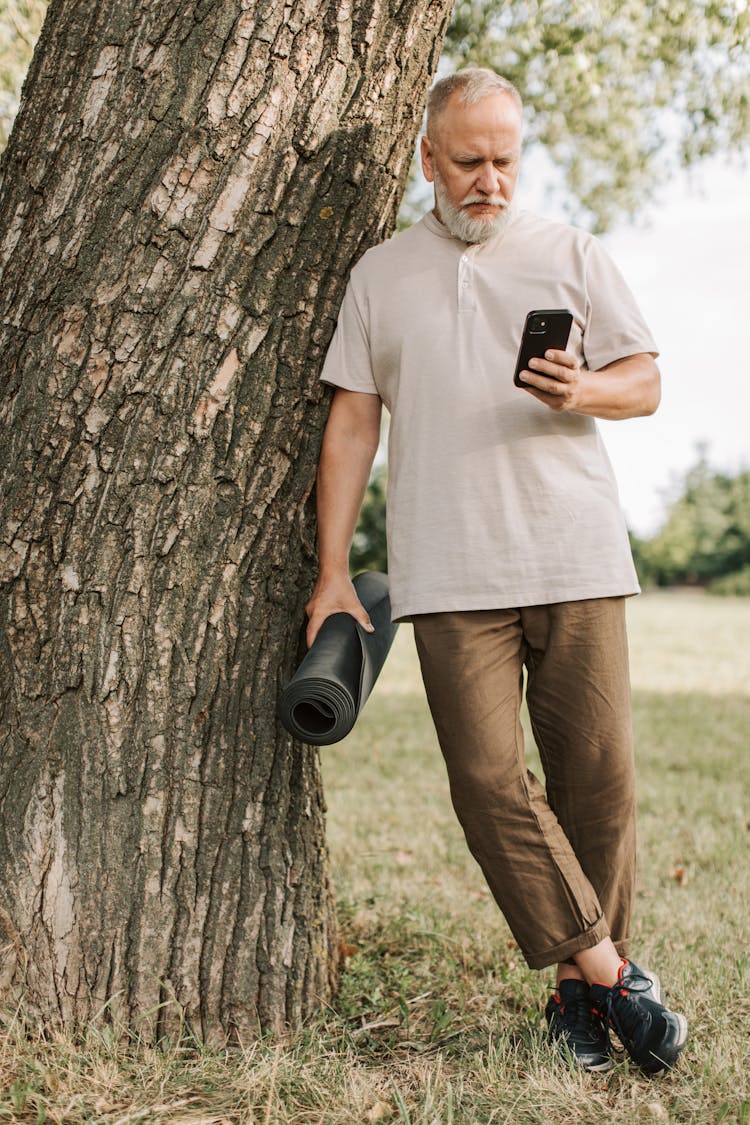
(185, 190)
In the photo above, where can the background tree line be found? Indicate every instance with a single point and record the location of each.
(704, 539)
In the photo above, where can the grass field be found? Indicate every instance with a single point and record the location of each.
(438, 1020)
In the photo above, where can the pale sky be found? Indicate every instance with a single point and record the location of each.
(688, 264)
(690, 271)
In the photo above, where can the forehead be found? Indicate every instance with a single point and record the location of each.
(492, 122)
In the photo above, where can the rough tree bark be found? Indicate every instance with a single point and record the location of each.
(187, 185)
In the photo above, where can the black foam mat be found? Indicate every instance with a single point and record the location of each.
(324, 697)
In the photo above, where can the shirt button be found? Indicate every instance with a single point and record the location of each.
(465, 284)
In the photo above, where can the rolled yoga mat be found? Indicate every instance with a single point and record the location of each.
(324, 697)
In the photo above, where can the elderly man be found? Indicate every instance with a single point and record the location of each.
(507, 548)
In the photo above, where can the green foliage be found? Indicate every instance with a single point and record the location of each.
(612, 88)
(706, 535)
(20, 24)
(368, 547)
(736, 585)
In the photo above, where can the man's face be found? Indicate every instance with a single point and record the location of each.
(473, 160)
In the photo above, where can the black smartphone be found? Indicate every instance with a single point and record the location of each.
(544, 329)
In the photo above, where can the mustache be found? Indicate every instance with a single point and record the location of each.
(488, 200)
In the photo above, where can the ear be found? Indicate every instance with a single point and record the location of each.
(428, 160)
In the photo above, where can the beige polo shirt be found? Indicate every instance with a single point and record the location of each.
(494, 500)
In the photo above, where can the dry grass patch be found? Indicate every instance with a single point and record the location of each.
(439, 1020)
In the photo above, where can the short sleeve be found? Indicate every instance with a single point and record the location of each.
(614, 327)
(347, 363)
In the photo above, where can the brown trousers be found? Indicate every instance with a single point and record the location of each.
(560, 864)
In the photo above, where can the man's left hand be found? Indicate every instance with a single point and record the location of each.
(625, 388)
(557, 380)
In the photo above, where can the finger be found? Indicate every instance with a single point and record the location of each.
(314, 625)
(542, 381)
(360, 615)
(552, 370)
(554, 401)
(565, 359)
(311, 632)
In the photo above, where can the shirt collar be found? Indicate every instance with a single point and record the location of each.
(434, 225)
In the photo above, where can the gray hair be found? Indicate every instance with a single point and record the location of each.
(474, 83)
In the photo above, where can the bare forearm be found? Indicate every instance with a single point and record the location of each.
(627, 388)
(349, 445)
(343, 473)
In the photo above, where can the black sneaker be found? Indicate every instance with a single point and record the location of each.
(649, 985)
(651, 1034)
(574, 1025)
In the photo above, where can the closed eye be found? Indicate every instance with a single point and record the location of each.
(501, 162)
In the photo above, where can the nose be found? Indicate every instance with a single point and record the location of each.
(488, 178)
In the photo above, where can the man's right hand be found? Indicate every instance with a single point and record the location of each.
(334, 595)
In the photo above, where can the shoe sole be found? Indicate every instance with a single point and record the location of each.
(564, 1048)
(675, 1047)
(596, 1068)
(571, 1057)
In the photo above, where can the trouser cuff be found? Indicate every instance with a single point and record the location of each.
(565, 950)
(622, 947)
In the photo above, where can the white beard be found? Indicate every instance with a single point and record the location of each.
(460, 223)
